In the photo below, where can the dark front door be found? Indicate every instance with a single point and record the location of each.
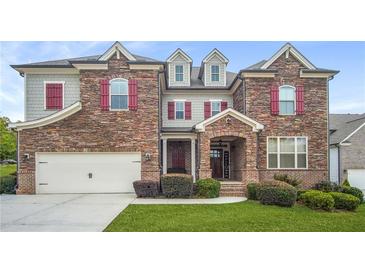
(216, 163)
(178, 157)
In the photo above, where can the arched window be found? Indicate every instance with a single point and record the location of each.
(118, 94)
(287, 100)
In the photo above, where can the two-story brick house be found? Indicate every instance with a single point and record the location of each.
(95, 124)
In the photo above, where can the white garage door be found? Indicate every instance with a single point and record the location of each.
(87, 172)
(356, 178)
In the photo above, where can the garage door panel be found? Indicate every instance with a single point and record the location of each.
(356, 178)
(69, 172)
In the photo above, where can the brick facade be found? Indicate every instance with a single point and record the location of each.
(94, 130)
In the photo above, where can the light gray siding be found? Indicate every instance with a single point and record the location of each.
(208, 69)
(197, 107)
(34, 93)
(179, 60)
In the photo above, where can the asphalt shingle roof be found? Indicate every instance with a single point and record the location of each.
(341, 125)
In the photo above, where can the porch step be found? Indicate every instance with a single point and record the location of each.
(232, 189)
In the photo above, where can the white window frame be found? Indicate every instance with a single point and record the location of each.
(110, 95)
(211, 73)
(295, 152)
(295, 103)
(180, 73)
(183, 104)
(45, 98)
(211, 106)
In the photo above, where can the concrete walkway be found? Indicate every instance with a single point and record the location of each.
(60, 212)
(220, 200)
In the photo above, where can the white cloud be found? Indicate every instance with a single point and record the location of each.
(348, 107)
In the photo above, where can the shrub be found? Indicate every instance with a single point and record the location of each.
(325, 186)
(177, 185)
(316, 199)
(7, 184)
(276, 193)
(285, 178)
(146, 188)
(251, 191)
(345, 201)
(208, 188)
(346, 183)
(355, 192)
(300, 192)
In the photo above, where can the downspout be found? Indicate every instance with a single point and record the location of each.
(328, 133)
(159, 120)
(339, 164)
(17, 158)
(257, 149)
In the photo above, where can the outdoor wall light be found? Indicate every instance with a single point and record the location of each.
(147, 156)
(26, 156)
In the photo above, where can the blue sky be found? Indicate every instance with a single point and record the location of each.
(347, 89)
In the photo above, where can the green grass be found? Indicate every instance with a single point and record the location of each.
(244, 216)
(7, 169)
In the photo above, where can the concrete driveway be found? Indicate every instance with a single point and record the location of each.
(61, 212)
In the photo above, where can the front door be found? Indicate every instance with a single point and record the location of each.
(216, 163)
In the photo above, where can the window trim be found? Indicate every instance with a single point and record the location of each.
(45, 98)
(183, 104)
(110, 95)
(211, 73)
(182, 73)
(295, 100)
(211, 106)
(295, 153)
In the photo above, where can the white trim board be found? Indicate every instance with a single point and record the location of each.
(351, 134)
(117, 47)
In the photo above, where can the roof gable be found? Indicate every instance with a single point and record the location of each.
(181, 53)
(234, 113)
(288, 49)
(118, 48)
(218, 54)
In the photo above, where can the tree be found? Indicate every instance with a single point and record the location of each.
(7, 140)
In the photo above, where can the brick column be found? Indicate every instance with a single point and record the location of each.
(251, 174)
(204, 160)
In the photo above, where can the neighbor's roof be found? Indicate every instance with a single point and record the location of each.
(342, 125)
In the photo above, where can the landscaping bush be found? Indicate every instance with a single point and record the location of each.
(276, 193)
(208, 188)
(355, 192)
(177, 185)
(346, 183)
(300, 192)
(146, 188)
(316, 199)
(7, 184)
(325, 186)
(345, 201)
(251, 191)
(285, 178)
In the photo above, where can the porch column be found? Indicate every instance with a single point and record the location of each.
(164, 156)
(193, 171)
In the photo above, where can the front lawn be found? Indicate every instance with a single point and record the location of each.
(244, 216)
(6, 170)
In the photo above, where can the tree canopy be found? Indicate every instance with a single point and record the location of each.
(7, 140)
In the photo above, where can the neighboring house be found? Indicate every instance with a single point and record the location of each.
(96, 124)
(347, 149)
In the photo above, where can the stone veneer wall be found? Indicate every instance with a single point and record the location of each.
(94, 130)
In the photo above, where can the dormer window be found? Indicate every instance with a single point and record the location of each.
(179, 73)
(215, 73)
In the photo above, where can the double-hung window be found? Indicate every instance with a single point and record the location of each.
(215, 73)
(287, 152)
(216, 107)
(118, 94)
(179, 110)
(179, 73)
(286, 100)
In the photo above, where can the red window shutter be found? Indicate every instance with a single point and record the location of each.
(206, 110)
(224, 105)
(54, 96)
(299, 100)
(104, 94)
(274, 100)
(171, 110)
(132, 94)
(187, 110)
